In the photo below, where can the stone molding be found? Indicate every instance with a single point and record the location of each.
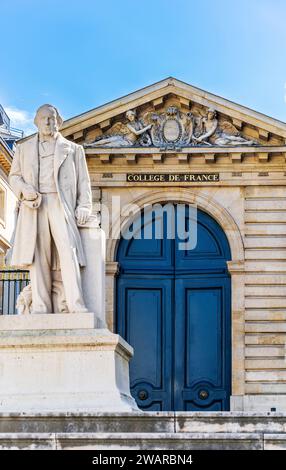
(236, 267)
(112, 268)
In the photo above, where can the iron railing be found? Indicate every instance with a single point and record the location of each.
(5, 126)
(11, 284)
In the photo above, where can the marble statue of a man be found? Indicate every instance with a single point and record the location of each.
(49, 175)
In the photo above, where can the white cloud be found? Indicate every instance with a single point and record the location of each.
(21, 119)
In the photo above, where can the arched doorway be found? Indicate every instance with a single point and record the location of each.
(173, 307)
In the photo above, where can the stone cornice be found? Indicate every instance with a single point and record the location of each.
(235, 154)
(188, 150)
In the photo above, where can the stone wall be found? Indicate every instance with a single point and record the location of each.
(265, 299)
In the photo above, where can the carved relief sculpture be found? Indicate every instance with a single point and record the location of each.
(223, 133)
(172, 128)
(24, 301)
(125, 135)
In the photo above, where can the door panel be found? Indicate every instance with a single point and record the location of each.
(145, 319)
(144, 253)
(211, 250)
(202, 344)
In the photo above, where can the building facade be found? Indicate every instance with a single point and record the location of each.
(208, 324)
(8, 137)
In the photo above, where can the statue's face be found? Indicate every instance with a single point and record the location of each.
(47, 121)
(130, 116)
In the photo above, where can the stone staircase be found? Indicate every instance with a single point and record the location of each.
(141, 431)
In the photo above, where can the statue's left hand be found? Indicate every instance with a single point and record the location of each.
(82, 214)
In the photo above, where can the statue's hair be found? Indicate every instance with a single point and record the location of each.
(131, 111)
(59, 118)
(212, 110)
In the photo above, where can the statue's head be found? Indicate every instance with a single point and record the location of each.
(48, 120)
(131, 115)
(211, 113)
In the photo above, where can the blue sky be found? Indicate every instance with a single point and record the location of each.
(80, 54)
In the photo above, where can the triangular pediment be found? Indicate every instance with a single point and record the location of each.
(177, 114)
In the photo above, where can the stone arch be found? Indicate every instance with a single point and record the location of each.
(205, 203)
(235, 267)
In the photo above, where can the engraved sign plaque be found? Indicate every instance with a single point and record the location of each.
(172, 177)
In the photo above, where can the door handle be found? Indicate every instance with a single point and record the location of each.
(143, 395)
(203, 394)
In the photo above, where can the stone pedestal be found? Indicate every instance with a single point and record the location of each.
(93, 274)
(61, 363)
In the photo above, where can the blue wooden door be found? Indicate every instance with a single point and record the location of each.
(201, 347)
(146, 324)
(173, 307)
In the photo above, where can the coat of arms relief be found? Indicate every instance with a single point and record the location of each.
(172, 128)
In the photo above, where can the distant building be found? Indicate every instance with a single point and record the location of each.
(8, 138)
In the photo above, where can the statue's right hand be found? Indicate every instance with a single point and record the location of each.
(30, 194)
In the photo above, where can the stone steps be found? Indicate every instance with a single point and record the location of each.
(132, 441)
(139, 422)
(138, 431)
(142, 441)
